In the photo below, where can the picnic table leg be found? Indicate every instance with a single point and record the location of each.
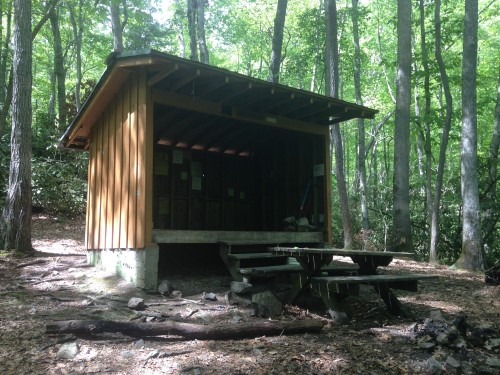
(391, 301)
(311, 265)
(334, 305)
(297, 281)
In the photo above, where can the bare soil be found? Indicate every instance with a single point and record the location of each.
(57, 284)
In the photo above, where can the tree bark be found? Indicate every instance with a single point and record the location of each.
(16, 225)
(116, 25)
(200, 27)
(332, 89)
(492, 214)
(361, 122)
(76, 17)
(402, 235)
(425, 119)
(277, 46)
(471, 257)
(191, 16)
(180, 25)
(434, 230)
(186, 330)
(5, 77)
(59, 71)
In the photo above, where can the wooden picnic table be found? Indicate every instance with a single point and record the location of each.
(334, 288)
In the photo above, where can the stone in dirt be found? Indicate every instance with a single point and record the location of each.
(210, 296)
(176, 294)
(240, 287)
(139, 344)
(434, 367)
(68, 351)
(166, 287)
(136, 303)
(453, 366)
(266, 305)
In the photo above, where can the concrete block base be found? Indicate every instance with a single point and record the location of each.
(137, 266)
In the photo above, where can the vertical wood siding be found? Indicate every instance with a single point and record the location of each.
(120, 171)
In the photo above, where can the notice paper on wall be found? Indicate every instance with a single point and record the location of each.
(177, 157)
(318, 170)
(196, 183)
(161, 164)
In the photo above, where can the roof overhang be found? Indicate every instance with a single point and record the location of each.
(202, 88)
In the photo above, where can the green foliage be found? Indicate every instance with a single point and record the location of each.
(59, 177)
(239, 34)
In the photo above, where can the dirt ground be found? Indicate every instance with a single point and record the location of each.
(57, 284)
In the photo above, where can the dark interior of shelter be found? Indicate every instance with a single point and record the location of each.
(216, 173)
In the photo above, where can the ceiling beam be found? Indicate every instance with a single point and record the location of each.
(235, 113)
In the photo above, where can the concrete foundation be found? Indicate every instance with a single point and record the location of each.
(137, 266)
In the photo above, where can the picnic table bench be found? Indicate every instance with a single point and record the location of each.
(333, 289)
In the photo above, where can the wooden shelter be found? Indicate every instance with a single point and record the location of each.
(183, 152)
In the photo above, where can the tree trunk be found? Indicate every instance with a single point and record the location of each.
(434, 230)
(332, 89)
(471, 257)
(8, 95)
(59, 72)
(191, 16)
(16, 226)
(204, 57)
(279, 25)
(187, 330)
(180, 25)
(492, 214)
(361, 122)
(116, 25)
(4, 76)
(425, 119)
(402, 236)
(382, 62)
(76, 18)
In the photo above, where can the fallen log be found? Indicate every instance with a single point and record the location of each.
(186, 330)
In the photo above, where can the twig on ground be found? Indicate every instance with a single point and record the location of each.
(32, 263)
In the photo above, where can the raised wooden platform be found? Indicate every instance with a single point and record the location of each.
(167, 236)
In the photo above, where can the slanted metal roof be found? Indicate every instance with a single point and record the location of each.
(193, 89)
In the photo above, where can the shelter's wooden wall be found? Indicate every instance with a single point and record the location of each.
(203, 190)
(119, 210)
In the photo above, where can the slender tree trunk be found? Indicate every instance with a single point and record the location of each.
(59, 72)
(76, 17)
(16, 226)
(361, 122)
(434, 230)
(5, 78)
(116, 25)
(384, 69)
(204, 57)
(49, 7)
(492, 214)
(180, 25)
(425, 121)
(191, 16)
(332, 89)
(279, 26)
(471, 257)
(402, 236)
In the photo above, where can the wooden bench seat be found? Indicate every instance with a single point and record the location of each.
(332, 289)
(337, 284)
(249, 256)
(337, 267)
